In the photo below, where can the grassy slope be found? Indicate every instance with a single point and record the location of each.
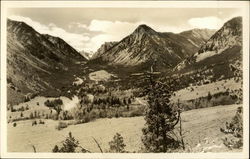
(199, 124)
(202, 91)
(219, 63)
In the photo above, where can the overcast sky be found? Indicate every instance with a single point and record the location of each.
(87, 28)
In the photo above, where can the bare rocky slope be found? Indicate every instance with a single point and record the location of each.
(37, 63)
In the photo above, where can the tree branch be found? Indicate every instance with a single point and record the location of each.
(98, 144)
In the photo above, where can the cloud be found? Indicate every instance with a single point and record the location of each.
(75, 40)
(108, 31)
(111, 27)
(77, 24)
(206, 22)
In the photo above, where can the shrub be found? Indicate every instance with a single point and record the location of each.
(34, 122)
(55, 104)
(21, 109)
(235, 127)
(102, 114)
(209, 96)
(61, 125)
(55, 149)
(116, 114)
(41, 122)
(139, 111)
(92, 115)
(65, 115)
(12, 109)
(14, 124)
(86, 118)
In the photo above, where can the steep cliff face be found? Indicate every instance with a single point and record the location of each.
(36, 61)
(146, 47)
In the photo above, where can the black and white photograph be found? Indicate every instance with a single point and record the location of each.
(127, 79)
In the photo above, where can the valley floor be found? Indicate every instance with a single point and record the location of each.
(202, 127)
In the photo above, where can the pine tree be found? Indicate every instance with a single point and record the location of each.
(161, 117)
(31, 115)
(117, 144)
(209, 96)
(69, 145)
(124, 101)
(129, 101)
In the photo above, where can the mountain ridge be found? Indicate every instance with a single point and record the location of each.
(221, 51)
(144, 45)
(35, 64)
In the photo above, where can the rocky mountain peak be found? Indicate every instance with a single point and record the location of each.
(16, 26)
(144, 29)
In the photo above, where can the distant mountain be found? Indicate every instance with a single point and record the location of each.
(198, 36)
(104, 48)
(146, 47)
(86, 55)
(37, 63)
(220, 51)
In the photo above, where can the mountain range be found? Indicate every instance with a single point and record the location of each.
(145, 47)
(43, 64)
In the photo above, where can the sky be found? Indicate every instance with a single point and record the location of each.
(88, 28)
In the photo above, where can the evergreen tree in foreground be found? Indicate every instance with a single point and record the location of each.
(117, 144)
(161, 117)
(69, 145)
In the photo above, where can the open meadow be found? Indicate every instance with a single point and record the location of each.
(201, 127)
